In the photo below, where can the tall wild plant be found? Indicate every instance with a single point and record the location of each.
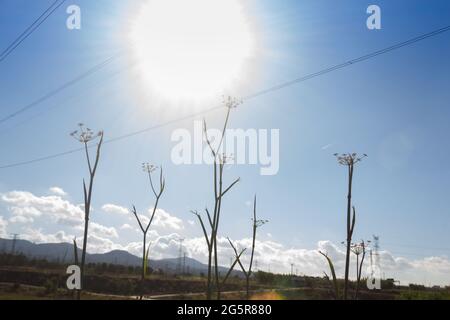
(85, 136)
(248, 273)
(349, 160)
(149, 169)
(219, 161)
(359, 249)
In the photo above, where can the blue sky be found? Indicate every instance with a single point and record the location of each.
(393, 107)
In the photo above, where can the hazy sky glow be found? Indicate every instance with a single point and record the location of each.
(394, 108)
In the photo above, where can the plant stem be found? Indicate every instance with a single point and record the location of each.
(349, 231)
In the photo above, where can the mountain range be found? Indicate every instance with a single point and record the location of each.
(64, 253)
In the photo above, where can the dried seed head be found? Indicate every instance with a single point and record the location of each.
(85, 135)
(260, 223)
(149, 168)
(231, 102)
(347, 159)
(224, 158)
(358, 248)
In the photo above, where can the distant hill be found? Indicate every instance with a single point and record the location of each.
(63, 253)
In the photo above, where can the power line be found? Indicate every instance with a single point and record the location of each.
(30, 30)
(119, 138)
(66, 85)
(27, 29)
(352, 62)
(257, 94)
(71, 98)
(102, 64)
(99, 66)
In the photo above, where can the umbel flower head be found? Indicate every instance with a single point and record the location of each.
(231, 102)
(85, 135)
(226, 158)
(260, 223)
(349, 159)
(358, 248)
(149, 168)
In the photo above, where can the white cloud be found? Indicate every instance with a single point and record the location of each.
(37, 236)
(430, 270)
(97, 244)
(3, 225)
(115, 209)
(21, 219)
(126, 226)
(162, 220)
(26, 208)
(102, 231)
(165, 220)
(58, 191)
(161, 246)
(30, 206)
(136, 249)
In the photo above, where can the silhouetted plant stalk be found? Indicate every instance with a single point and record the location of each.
(75, 251)
(334, 284)
(236, 260)
(149, 169)
(248, 273)
(76, 262)
(220, 191)
(359, 249)
(85, 136)
(349, 160)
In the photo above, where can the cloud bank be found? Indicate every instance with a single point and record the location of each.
(31, 215)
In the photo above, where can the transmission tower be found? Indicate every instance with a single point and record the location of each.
(14, 241)
(376, 258)
(376, 245)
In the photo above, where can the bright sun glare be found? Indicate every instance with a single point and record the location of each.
(192, 49)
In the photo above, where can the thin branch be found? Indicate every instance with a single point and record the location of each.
(153, 215)
(87, 157)
(224, 129)
(231, 186)
(209, 218)
(238, 257)
(137, 218)
(151, 183)
(203, 227)
(205, 131)
(255, 226)
(233, 265)
(97, 158)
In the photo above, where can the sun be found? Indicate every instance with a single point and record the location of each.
(194, 49)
